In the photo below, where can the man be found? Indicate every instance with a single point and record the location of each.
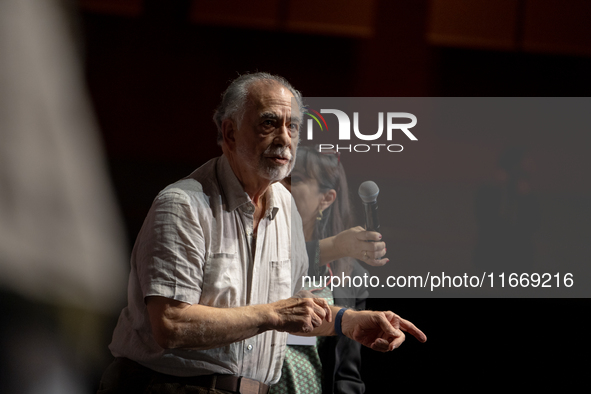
(218, 260)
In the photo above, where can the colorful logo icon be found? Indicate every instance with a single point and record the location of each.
(316, 118)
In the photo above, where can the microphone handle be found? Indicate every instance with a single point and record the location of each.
(371, 216)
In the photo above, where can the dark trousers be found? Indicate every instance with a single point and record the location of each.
(128, 377)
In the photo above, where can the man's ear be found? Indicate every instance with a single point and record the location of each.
(327, 199)
(229, 133)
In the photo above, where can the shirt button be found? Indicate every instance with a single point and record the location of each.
(249, 347)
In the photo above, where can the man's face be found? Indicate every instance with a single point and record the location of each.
(268, 135)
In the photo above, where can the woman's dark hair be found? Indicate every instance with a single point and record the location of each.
(327, 170)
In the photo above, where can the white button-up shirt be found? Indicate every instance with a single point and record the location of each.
(197, 246)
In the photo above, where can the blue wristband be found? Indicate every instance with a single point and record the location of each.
(338, 321)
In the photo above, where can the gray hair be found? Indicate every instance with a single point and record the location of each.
(234, 98)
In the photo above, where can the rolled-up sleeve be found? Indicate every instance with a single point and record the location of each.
(171, 254)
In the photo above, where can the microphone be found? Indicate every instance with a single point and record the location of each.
(368, 191)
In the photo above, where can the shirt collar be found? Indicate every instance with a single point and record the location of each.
(272, 206)
(235, 194)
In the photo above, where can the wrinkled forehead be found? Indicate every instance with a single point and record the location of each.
(270, 96)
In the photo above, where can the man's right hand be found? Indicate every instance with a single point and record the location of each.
(300, 314)
(381, 331)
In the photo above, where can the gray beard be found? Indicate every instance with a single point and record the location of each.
(275, 173)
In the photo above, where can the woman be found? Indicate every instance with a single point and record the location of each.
(319, 187)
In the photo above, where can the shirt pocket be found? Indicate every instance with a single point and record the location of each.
(223, 281)
(280, 280)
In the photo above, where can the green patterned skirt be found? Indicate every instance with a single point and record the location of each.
(302, 370)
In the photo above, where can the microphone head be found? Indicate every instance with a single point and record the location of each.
(368, 191)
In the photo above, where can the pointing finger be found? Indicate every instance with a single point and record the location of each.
(413, 330)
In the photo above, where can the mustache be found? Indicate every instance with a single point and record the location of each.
(276, 151)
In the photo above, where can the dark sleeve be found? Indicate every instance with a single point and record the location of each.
(347, 372)
(347, 352)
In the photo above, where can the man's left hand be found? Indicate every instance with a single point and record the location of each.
(381, 331)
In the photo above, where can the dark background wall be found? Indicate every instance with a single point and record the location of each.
(155, 78)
